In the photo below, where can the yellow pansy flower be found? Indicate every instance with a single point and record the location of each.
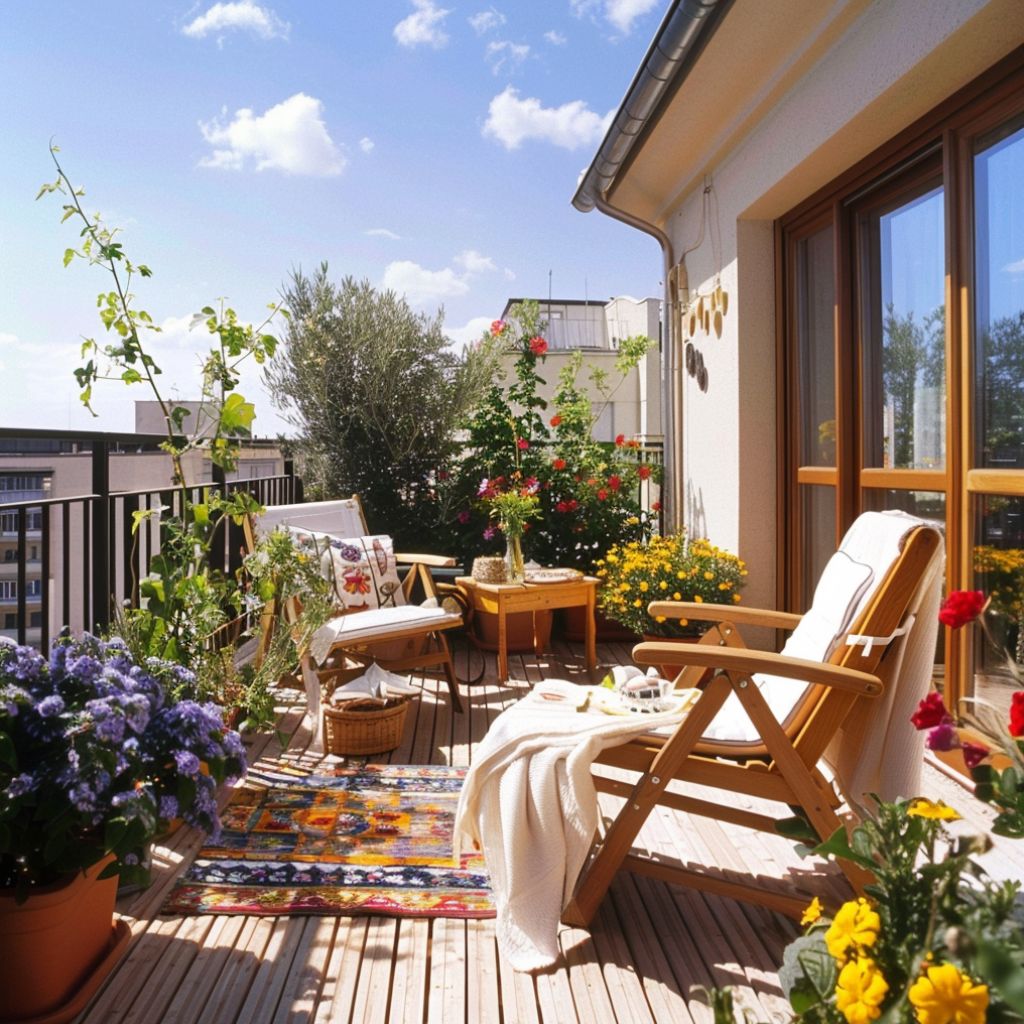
(860, 991)
(854, 927)
(934, 810)
(812, 912)
(942, 995)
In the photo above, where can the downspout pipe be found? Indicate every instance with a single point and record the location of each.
(670, 408)
(682, 35)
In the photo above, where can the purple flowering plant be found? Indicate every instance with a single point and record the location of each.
(96, 759)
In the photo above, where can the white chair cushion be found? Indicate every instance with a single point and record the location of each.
(378, 623)
(847, 584)
(341, 518)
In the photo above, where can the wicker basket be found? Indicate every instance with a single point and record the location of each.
(489, 570)
(364, 727)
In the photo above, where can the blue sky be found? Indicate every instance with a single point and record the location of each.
(432, 147)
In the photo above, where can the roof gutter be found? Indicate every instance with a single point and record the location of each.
(685, 29)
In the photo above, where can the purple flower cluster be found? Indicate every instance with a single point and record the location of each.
(100, 756)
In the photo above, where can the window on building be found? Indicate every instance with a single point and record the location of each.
(903, 338)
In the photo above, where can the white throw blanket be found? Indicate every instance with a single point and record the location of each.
(529, 802)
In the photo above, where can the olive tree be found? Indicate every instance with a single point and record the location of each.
(378, 395)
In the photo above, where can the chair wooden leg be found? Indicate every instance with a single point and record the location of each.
(449, 671)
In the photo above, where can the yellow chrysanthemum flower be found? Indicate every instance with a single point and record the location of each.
(644, 586)
(812, 912)
(854, 927)
(934, 810)
(698, 598)
(708, 575)
(942, 995)
(860, 991)
(677, 596)
(638, 603)
(662, 585)
(659, 618)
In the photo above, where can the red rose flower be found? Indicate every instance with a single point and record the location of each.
(602, 495)
(655, 506)
(930, 712)
(643, 472)
(614, 482)
(973, 754)
(497, 327)
(538, 346)
(620, 440)
(961, 607)
(1017, 714)
(555, 420)
(522, 444)
(558, 463)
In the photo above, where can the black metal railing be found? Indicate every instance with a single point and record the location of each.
(90, 559)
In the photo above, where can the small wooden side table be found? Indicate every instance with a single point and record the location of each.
(502, 599)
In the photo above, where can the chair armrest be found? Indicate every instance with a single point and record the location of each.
(725, 613)
(438, 561)
(742, 659)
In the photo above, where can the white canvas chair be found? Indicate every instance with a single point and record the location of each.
(837, 699)
(389, 630)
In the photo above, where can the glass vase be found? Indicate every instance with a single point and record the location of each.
(514, 558)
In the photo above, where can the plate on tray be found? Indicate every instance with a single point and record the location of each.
(552, 575)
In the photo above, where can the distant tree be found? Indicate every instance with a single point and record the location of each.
(913, 356)
(378, 395)
(1002, 378)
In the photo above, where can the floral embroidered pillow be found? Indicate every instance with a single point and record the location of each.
(362, 570)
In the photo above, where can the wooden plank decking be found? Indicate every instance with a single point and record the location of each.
(649, 945)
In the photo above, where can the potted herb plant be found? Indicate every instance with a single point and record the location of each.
(95, 761)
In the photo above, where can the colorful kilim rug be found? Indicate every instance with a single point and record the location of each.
(370, 840)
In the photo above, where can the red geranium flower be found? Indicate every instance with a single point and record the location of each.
(930, 712)
(558, 463)
(643, 472)
(655, 506)
(961, 607)
(1017, 714)
(602, 495)
(538, 346)
(522, 444)
(973, 754)
(497, 327)
(555, 420)
(620, 440)
(614, 482)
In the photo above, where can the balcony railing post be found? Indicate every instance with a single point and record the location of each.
(101, 552)
(295, 494)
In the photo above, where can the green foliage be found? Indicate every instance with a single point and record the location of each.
(377, 395)
(930, 908)
(182, 599)
(588, 491)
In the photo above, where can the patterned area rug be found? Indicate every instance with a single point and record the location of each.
(370, 840)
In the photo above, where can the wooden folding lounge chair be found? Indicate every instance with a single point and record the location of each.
(841, 692)
(398, 635)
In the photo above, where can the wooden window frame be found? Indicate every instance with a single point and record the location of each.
(942, 140)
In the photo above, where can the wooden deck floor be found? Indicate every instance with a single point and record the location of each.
(649, 945)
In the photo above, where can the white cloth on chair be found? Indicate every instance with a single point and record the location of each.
(529, 802)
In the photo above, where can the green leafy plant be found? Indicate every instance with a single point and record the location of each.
(932, 939)
(183, 598)
(670, 568)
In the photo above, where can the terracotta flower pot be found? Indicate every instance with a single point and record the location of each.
(57, 946)
(519, 629)
(574, 626)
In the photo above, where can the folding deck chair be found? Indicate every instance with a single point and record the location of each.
(396, 634)
(841, 691)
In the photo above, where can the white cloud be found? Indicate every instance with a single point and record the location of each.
(510, 275)
(473, 262)
(573, 125)
(366, 144)
(1017, 267)
(244, 14)
(383, 233)
(619, 13)
(486, 21)
(470, 331)
(421, 286)
(424, 26)
(555, 38)
(289, 137)
(622, 13)
(506, 54)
